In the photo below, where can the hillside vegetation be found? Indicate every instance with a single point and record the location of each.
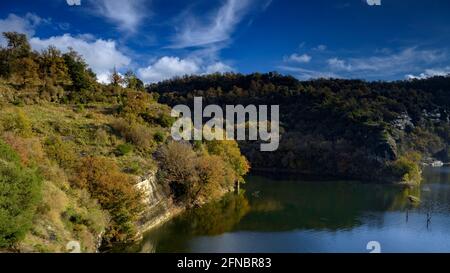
(72, 151)
(352, 129)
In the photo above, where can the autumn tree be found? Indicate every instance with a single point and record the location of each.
(177, 169)
(196, 177)
(116, 78)
(115, 192)
(229, 151)
(17, 61)
(53, 67)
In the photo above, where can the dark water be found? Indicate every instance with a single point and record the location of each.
(297, 216)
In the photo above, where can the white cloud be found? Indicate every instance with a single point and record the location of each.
(218, 28)
(320, 48)
(393, 63)
(387, 64)
(168, 67)
(101, 55)
(26, 24)
(428, 73)
(218, 67)
(338, 64)
(305, 58)
(126, 14)
(104, 77)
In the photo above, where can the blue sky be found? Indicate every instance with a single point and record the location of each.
(160, 39)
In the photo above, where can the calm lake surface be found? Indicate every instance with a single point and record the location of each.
(297, 216)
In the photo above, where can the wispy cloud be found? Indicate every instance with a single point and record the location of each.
(218, 27)
(402, 61)
(307, 74)
(203, 37)
(320, 48)
(126, 14)
(386, 64)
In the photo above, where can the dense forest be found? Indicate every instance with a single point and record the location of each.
(72, 151)
(371, 131)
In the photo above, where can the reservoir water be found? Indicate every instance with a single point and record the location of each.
(272, 215)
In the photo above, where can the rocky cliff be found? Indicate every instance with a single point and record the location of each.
(159, 207)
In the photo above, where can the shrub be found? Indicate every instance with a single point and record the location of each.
(20, 190)
(79, 108)
(407, 168)
(133, 168)
(123, 149)
(60, 151)
(165, 120)
(136, 133)
(16, 122)
(159, 137)
(29, 150)
(101, 136)
(7, 154)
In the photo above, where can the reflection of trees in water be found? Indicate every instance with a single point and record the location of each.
(211, 219)
(435, 191)
(402, 202)
(273, 205)
(218, 217)
(288, 205)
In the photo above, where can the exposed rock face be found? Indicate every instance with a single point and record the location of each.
(403, 121)
(434, 116)
(159, 207)
(153, 192)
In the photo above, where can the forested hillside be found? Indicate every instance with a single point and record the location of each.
(72, 151)
(374, 131)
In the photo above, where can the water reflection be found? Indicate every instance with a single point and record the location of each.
(297, 216)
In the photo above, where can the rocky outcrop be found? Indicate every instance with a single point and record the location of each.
(403, 122)
(158, 205)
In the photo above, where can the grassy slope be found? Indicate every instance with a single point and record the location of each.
(65, 213)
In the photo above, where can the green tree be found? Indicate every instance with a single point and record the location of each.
(18, 44)
(133, 82)
(82, 77)
(20, 190)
